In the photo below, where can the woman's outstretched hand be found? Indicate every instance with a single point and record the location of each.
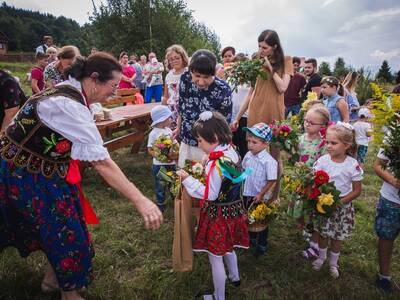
(150, 213)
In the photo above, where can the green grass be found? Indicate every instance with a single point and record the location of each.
(19, 70)
(132, 263)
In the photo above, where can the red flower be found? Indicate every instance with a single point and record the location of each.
(304, 158)
(321, 177)
(286, 128)
(314, 193)
(14, 190)
(71, 237)
(67, 264)
(215, 155)
(63, 146)
(322, 131)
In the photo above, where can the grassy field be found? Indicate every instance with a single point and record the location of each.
(132, 263)
(19, 70)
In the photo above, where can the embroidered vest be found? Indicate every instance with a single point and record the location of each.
(30, 143)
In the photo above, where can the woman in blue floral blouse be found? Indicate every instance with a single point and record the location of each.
(200, 90)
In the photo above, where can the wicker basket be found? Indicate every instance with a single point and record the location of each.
(255, 227)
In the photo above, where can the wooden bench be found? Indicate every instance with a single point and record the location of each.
(134, 118)
(123, 96)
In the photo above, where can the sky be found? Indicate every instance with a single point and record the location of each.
(363, 32)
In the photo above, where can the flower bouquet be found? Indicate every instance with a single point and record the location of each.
(193, 168)
(285, 135)
(163, 146)
(321, 196)
(260, 215)
(245, 73)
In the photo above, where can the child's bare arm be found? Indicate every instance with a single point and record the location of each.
(260, 196)
(151, 152)
(354, 193)
(385, 174)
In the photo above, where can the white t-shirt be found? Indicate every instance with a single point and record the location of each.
(362, 128)
(75, 122)
(154, 134)
(237, 100)
(341, 174)
(388, 191)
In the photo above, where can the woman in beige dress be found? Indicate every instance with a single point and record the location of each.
(265, 102)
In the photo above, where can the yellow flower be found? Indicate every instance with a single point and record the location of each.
(312, 96)
(324, 199)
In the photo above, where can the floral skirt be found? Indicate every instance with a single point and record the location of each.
(38, 213)
(340, 225)
(221, 228)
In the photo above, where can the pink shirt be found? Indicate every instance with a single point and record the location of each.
(128, 71)
(37, 73)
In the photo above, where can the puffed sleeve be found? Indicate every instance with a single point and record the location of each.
(289, 66)
(357, 172)
(75, 122)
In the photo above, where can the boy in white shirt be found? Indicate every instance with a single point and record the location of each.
(363, 131)
(161, 117)
(258, 185)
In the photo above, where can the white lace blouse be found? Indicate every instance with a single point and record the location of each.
(75, 122)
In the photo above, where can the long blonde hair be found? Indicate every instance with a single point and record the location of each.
(347, 136)
(350, 81)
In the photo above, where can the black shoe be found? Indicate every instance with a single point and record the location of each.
(235, 283)
(384, 285)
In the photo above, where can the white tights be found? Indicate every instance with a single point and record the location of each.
(219, 275)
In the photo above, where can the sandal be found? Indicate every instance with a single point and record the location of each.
(310, 253)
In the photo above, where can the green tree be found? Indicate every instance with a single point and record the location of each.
(148, 25)
(324, 69)
(384, 73)
(340, 71)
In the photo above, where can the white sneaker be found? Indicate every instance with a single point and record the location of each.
(334, 271)
(317, 264)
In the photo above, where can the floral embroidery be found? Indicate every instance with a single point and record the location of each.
(60, 145)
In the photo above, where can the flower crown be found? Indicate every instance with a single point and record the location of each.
(205, 116)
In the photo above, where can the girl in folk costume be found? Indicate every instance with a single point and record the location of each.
(223, 221)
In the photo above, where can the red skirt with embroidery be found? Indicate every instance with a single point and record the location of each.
(221, 228)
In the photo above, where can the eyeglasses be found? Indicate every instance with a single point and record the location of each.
(312, 123)
(114, 86)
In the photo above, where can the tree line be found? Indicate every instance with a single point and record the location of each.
(137, 26)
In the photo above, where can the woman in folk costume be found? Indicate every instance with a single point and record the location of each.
(40, 203)
(223, 220)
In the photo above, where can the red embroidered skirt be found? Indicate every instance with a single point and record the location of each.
(221, 228)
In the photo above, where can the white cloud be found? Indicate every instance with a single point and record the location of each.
(368, 19)
(327, 2)
(386, 55)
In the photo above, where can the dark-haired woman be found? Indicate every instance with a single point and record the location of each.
(54, 72)
(128, 72)
(40, 208)
(266, 101)
(200, 90)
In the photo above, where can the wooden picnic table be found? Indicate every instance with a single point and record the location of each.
(133, 118)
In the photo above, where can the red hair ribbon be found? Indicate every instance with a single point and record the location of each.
(213, 156)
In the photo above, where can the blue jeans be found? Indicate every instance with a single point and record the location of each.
(161, 186)
(156, 91)
(294, 109)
